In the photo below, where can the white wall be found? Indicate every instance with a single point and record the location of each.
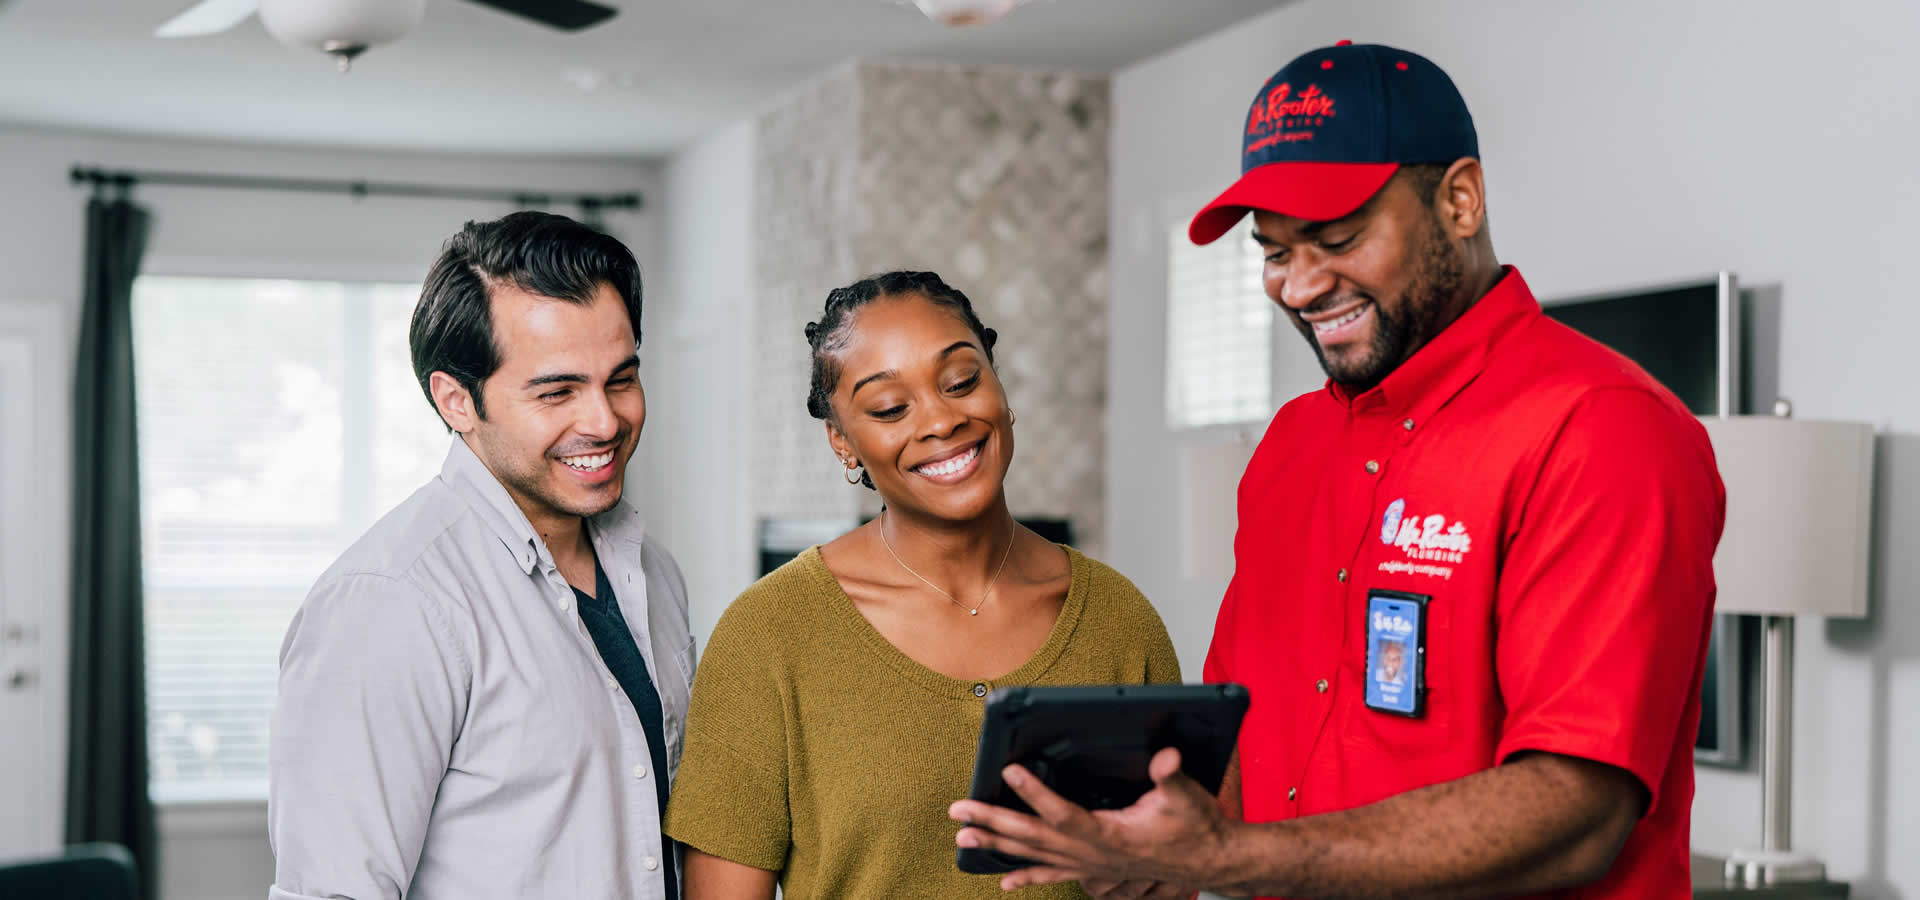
(212, 854)
(697, 365)
(1626, 142)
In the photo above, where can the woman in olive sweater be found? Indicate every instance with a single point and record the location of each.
(837, 706)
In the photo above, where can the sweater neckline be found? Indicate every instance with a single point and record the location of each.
(939, 683)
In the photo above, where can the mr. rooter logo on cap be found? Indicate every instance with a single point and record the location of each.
(1395, 108)
(1272, 122)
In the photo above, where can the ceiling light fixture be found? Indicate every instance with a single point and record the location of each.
(341, 28)
(965, 12)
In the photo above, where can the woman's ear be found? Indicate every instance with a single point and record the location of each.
(842, 447)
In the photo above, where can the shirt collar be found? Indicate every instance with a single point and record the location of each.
(1455, 356)
(488, 498)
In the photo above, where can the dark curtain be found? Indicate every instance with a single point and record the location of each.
(107, 749)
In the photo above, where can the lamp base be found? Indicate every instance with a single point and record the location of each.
(1764, 868)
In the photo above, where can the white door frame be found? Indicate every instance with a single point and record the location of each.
(36, 400)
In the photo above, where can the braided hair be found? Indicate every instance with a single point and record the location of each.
(829, 335)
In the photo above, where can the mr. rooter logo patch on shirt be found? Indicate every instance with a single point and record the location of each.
(1423, 541)
(1286, 117)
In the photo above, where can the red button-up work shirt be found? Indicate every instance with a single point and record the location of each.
(1558, 506)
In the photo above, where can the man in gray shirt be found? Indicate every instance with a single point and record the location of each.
(484, 696)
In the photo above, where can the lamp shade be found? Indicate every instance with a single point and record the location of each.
(1799, 515)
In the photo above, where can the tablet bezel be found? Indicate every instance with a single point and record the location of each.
(1117, 726)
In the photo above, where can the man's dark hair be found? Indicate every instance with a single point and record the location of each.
(1424, 179)
(831, 333)
(540, 253)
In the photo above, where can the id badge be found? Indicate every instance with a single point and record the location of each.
(1397, 653)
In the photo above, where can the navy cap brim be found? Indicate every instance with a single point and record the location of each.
(1315, 191)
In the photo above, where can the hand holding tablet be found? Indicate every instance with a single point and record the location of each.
(1092, 746)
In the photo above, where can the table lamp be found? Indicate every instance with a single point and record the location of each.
(1799, 516)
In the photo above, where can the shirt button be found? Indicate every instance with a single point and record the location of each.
(612, 683)
(563, 604)
(979, 690)
(639, 772)
(1321, 685)
(652, 864)
(1342, 575)
(1408, 424)
(1373, 467)
(1292, 793)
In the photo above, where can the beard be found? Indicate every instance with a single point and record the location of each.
(532, 478)
(1399, 328)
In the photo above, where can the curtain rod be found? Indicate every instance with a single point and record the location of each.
(124, 180)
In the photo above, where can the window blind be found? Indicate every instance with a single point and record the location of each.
(1219, 333)
(277, 420)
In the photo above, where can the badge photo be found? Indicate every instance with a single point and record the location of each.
(1397, 653)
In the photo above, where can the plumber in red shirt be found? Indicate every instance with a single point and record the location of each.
(1473, 575)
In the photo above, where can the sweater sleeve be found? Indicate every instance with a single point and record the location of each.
(1163, 664)
(730, 798)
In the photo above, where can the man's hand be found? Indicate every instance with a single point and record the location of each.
(1135, 890)
(1173, 834)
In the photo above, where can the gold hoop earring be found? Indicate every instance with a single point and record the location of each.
(1012, 417)
(851, 477)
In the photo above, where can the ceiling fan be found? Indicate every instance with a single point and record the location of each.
(344, 29)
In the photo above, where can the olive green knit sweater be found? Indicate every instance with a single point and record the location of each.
(817, 749)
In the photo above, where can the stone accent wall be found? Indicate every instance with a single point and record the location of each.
(996, 179)
(806, 161)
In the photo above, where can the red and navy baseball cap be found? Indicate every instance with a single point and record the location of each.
(1329, 129)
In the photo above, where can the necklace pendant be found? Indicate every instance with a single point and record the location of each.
(973, 612)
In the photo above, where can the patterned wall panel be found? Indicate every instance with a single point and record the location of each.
(995, 178)
(806, 162)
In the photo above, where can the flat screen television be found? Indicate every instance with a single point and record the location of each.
(1687, 336)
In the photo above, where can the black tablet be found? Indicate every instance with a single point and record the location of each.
(1092, 745)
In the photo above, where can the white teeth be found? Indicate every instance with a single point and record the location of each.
(588, 463)
(1324, 327)
(949, 466)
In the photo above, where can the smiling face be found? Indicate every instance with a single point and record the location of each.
(565, 408)
(1392, 657)
(918, 404)
(1369, 289)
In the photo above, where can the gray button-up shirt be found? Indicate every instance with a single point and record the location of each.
(446, 727)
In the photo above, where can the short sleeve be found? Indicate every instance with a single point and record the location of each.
(1218, 669)
(730, 797)
(373, 695)
(1606, 593)
(1163, 662)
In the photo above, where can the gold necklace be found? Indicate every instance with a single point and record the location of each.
(984, 596)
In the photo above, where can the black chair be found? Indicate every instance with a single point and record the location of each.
(80, 872)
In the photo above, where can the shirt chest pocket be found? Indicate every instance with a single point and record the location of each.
(1428, 734)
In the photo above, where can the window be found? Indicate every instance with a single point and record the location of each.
(1219, 333)
(278, 420)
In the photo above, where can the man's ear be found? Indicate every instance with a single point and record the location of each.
(1461, 200)
(454, 402)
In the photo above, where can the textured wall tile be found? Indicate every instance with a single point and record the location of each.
(995, 178)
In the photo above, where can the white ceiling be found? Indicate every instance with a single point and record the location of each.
(475, 80)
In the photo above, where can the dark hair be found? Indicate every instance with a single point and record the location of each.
(1424, 179)
(537, 252)
(832, 331)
